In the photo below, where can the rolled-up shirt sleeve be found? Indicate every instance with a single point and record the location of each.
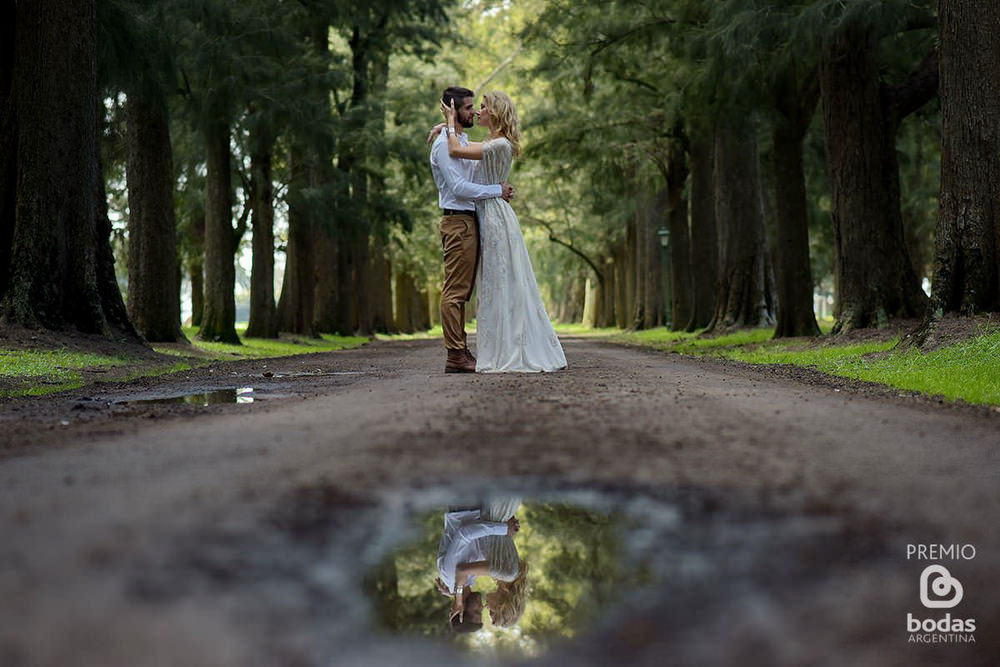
(460, 187)
(468, 532)
(473, 530)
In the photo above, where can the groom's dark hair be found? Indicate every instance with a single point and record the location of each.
(456, 93)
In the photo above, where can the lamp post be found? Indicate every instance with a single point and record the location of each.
(666, 278)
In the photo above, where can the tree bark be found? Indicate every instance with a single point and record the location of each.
(743, 299)
(380, 287)
(633, 276)
(263, 313)
(60, 253)
(704, 237)
(874, 274)
(967, 246)
(795, 105)
(196, 268)
(153, 292)
(8, 140)
(218, 322)
(296, 306)
(411, 312)
(654, 311)
(682, 293)
(620, 299)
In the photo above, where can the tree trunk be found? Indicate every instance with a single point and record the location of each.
(412, 309)
(380, 287)
(196, 268)
(621, 280)
(633, 275)
(875, 277)
(704, 236)
(682, 295)
(112, 304)
(60, 256)
(795, 105)
(327, 291)
(654, 307)
(218, 320)
(8, 140)
(296, 306)
(263, 314)
(319, 158)
(743, 299)
(967, 246)
(153, 292)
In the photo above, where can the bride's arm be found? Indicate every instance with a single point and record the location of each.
(471, 151)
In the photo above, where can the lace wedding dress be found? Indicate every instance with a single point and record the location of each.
(513, 331)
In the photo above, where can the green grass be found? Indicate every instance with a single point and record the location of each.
(968, 371)
(40, 372)
(434, 332)
(260, 348)
(571, 329)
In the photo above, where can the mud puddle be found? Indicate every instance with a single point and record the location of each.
(223, 396)
(328, 578)
(204, 398)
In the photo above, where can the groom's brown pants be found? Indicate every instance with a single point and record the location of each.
(460, 243)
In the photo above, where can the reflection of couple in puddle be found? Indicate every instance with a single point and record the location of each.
(479, 542)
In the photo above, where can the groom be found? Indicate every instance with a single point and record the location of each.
(459, 228)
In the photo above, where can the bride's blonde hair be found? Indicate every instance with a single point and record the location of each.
(504, 118)
(511, 597)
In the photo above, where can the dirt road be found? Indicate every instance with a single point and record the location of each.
(238, 534)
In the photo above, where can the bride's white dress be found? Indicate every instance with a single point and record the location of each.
(513, 331)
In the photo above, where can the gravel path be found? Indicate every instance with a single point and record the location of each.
(156, 534)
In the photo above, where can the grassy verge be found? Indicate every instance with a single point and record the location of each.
(968, 371)
(40, 372)
(258, 348)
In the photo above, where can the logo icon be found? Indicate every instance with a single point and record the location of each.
(943, 586)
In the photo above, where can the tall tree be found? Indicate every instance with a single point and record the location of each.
(744, 298)
(296, 305)
(61, 257)
(704, 234)
(875, 277)
(8, 139)
(153, 269)
(263, 321)
(795, 102)
(967, 252)
(218, 319)
(681, 278)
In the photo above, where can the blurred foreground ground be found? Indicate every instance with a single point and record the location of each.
(241, 533)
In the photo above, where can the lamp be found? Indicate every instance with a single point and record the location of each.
(664, 235)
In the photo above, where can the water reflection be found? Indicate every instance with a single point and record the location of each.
(204, 398)
(543, 570)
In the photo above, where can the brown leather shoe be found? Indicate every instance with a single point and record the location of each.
(458, 362)
(468, 355)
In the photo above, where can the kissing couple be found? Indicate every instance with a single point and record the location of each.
(482, 243)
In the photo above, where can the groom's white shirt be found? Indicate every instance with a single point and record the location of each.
(460, 542)
(453, 177)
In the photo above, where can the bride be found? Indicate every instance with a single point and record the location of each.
(514, 333)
